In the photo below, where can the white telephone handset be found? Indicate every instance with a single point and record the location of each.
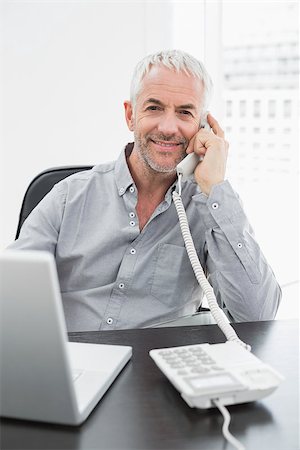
(187, 166)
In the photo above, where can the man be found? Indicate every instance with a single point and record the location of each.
(114, 230)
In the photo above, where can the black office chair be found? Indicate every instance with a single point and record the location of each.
(41, 185)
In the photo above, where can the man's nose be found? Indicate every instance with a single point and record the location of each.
(168, 124)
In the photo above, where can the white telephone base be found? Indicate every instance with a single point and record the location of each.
(228, 372)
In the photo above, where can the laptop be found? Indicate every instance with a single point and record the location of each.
(44, 377)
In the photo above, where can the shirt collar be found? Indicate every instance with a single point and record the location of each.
(123, 176)
(122, 173)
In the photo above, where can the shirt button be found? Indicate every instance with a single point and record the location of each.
(132, 223)
(109, 321)
(133, 251)
(131, 189)
(121, 191)
(131, 214)
(215, 205)
(121, 285)
(240, 245)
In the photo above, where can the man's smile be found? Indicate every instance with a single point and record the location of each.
(167, 145)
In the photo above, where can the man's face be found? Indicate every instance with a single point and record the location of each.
(166, 117)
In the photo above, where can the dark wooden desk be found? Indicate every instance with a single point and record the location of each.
(142, 410)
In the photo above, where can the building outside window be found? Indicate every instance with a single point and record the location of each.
(260, 62)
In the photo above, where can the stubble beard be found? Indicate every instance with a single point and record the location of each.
(144, 144)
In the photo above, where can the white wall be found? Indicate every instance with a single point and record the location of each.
(65, 72)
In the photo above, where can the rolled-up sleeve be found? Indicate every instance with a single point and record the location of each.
(242, 280)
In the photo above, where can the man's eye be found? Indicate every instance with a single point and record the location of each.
(185, 112)
(152, 108)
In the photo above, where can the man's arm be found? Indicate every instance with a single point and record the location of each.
(41, 228)
(243, 281)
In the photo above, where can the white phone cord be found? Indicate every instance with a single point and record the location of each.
(216, 311)
(225, 429)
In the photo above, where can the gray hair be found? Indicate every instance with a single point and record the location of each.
(172, 59)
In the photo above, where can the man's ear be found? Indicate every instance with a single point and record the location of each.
(129, 115)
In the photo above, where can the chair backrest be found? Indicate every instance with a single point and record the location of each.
(41, 185)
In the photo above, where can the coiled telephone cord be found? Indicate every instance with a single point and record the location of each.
(216, 311)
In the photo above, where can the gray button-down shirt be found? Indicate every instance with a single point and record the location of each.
(112, 275)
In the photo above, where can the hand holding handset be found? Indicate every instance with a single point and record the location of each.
(187, 166)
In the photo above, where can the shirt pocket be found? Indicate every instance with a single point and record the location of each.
(173, 278)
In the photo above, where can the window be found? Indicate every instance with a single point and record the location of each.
(287, 108)
(260, 60)
(272, 108)
(256, 108)
(243, 109)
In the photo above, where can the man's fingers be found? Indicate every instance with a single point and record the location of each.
(203, 139)
(190, 148)
(214, 124)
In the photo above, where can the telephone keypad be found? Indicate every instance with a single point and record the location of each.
(190, 360)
